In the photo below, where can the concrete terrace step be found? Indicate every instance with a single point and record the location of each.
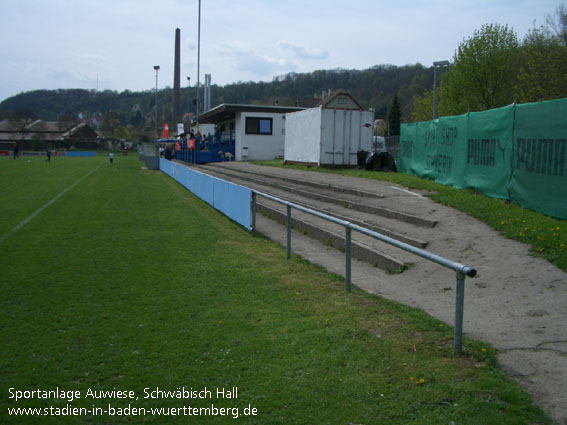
(322, 186)
(348, 203)
(363, 247)
(359, 250)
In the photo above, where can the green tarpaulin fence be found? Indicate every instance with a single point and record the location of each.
(517, 152)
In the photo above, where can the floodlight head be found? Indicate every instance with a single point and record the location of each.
(441, 63)
(156, 67)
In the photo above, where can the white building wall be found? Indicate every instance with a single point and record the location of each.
(224, 128)
(257, 146)
(303, 136)
(205, 129)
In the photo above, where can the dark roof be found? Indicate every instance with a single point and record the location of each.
(9, 126)
(41, 126)
(29, 135)
(81, 130)
(11, 137)
(308, 102)
(45, 130)
(228, 111)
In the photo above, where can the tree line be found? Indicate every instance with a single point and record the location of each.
(108, 110)
(493, 68)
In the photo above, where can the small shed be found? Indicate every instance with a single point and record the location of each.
(258, 130)
(330, 134)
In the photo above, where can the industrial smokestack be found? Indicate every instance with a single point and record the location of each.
(176, 79)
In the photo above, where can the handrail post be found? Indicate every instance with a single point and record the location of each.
(459, 307)
(288, 225)
(253, 211)
(347, 257)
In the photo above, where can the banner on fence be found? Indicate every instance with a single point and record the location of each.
(539, 171)
(517, 152)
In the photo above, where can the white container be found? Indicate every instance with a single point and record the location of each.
(327, 136)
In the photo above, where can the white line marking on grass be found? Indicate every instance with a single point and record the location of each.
(408, 191)
(31, 217)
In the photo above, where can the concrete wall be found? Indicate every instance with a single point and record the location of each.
(258, 146)
(303, 136)
(224, 127)
(206, 129)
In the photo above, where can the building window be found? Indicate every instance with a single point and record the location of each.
(342, 100)
(259, 126)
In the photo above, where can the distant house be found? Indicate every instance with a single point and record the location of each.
(11, 132)
(80, 135)
(339, 99)
(258, 130)
(40, 135)
(332, 133)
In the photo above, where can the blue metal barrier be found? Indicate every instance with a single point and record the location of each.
(229, 198)
(79, 153)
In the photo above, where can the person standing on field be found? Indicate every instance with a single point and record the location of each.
(16, 152)
(111, 155)
(48, 153)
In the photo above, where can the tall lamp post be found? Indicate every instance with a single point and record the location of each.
(156, 67)
(438, 64)
(189, 110)
(198, 60)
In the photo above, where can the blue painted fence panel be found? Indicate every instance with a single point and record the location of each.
(80, 153)
(221, 195)
(204, 188)
(239, 204)
(229, 198)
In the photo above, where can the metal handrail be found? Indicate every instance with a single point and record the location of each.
(461, 270)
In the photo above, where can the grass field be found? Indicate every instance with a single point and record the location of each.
(546, 236)
(126, 281)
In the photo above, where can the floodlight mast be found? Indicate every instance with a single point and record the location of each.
(437, 64)
(198, 61)
(156, 67)
(189, 87)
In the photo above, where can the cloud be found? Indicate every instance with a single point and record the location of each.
(254, 61)
(190, 44)
(89, 61)
(260, 65)
(304, 53)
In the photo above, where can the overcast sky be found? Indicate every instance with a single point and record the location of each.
(114, 44)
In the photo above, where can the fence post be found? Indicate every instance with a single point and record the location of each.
(459, 306)
(253, 207)
(347, 257)
(288, 225)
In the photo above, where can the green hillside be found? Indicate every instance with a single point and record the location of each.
(373, 87)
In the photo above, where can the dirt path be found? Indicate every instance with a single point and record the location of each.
(517, 303)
